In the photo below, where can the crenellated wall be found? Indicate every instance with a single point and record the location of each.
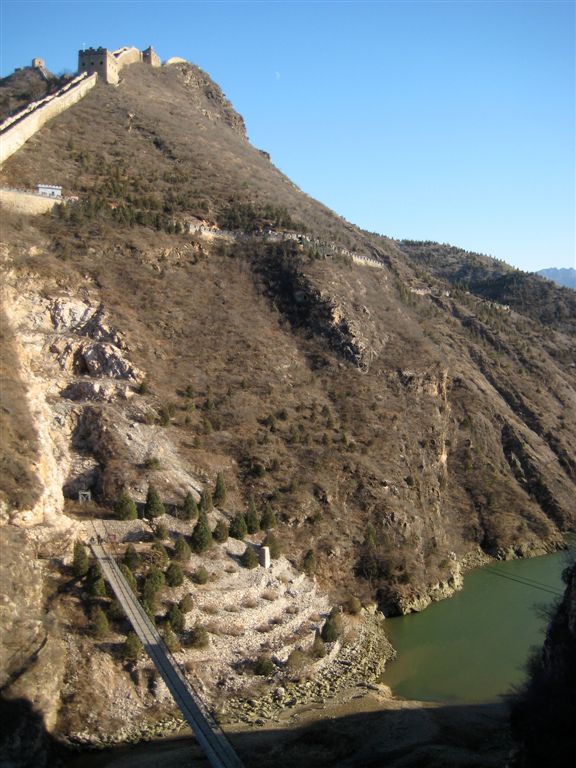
(16, 130)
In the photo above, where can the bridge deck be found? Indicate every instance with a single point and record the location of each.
(210, 737)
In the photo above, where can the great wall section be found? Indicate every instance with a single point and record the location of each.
(92, 64)
(16, 130)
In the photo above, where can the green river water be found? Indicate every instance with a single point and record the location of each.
(472, 648)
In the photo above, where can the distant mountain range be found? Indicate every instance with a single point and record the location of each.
(565, 276)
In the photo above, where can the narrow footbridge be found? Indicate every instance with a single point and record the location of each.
(210, 737)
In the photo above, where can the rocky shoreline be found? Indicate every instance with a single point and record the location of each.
(352, 668)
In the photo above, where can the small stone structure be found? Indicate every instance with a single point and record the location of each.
(264, 557)
(108, 64)
(38, 64)
(49, 190)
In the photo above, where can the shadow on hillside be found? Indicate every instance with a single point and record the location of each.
(24, 740)
(405, 737)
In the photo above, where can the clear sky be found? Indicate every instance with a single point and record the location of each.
(448, 121)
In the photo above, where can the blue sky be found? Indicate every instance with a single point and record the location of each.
(449, 121)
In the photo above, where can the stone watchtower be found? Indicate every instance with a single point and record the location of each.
(108, 64)
(149, 56)
(99, 60)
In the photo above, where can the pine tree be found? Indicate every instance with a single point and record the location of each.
(159, 554)
(132, 647)
(332, 628)
(206, 504)
(174, 575)
(161, 532)
(98, 588)
(131, 558)
(309, 563)
(186, 604)
(129, 576)
(249, 559)
(176, 618)
(80, 562)
(182, 551)
(252, 518)
(170, 639)
(201, 575)
(201, 538)
(238, 528)
(190, 507)
(268, 518)
(115, 611)
(272, 543)
(220, 532)
(199, 637)
(125, 507)
(219, 490)
(100, 626)
(154, 506)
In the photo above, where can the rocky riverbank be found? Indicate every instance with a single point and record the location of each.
(350, 666)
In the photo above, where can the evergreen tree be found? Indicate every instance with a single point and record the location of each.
(190, 507)
(125, 507)
(220, 532)
(201, 575)
(206, 504)
(219, 490)
(132, 647)
(201, 538)
(80, 562)
(98, 588)
(153, 506)
(176, 618)
(182, 551)
(94, 572)
(238, 528)
(131, 558)
(100, 626)
(252, 518)
(115, 611)
(272, 543)
(309, 563)
(159, 554)
(370, 537)
(268, 518)
(156, 578)
(170, 638)
(264, 666)
(174, 575)
(249, 559)
(161, 532)
(186, 604)
(332, 628)
(199, 637)
(129, 576)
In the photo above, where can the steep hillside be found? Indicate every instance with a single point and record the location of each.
(404, 412)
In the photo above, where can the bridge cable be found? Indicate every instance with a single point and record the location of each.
(527, 582)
